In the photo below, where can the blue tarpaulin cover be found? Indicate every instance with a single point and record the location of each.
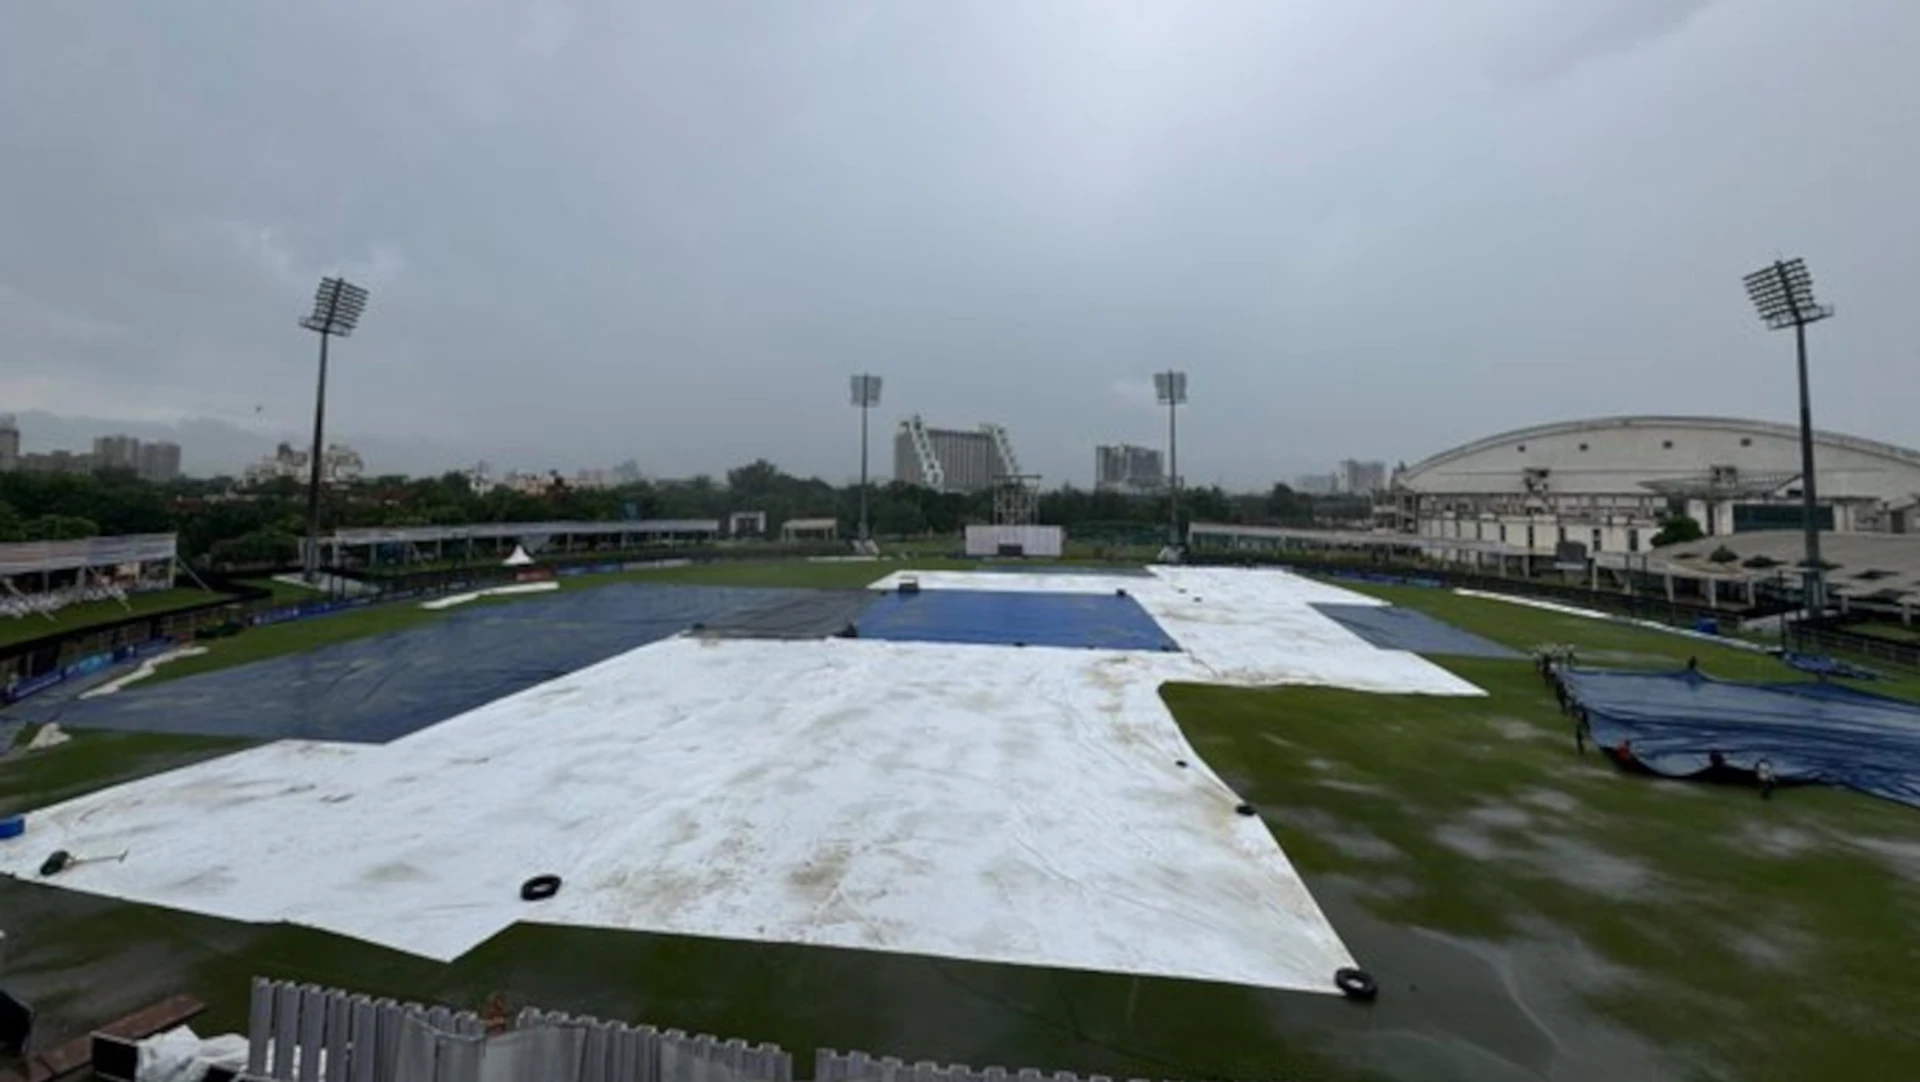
(1814, 732)
(1003, 617)
(379, 689)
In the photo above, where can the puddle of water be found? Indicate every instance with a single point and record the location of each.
(1501, 815)
(1773, 949)
(1469, 842)
(1552, 800)
(1356, 842)
(1775, 841)
(1515, 729)
(1451, 1007)
(1349, 786)
(1903, 858)
(1584, 865)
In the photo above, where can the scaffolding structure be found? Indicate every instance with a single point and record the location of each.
(1016, 499)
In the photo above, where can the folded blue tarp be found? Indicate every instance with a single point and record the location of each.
(1822, 665)
(1674, 723)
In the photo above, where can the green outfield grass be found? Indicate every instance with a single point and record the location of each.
(1528, 912)
(89, 613)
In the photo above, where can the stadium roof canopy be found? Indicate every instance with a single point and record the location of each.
(33, 557)
(482, 531)
(1723, 457)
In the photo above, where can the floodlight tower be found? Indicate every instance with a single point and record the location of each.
(1170, 387)
(1783, 295)
(337, 305)
(866, 395)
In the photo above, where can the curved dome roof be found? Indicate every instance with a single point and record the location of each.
(1866, 466)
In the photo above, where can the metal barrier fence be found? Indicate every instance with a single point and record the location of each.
(1831, 639)
(302, 1033)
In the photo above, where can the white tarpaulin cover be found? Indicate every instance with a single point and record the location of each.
(980, 802)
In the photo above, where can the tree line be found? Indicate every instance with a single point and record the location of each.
(222, 521)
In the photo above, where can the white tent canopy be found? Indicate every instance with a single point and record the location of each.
(519, 558)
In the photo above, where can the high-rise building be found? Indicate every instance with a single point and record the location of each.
(1360, 478)
(339, 464)
(159, 461)
(9, 443)
(1315, 484)
(952, 460)
(1127, 468)
(117, 452)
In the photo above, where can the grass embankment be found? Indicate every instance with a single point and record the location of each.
(89, 613)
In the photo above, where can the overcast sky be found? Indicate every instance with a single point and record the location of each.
(594, 231)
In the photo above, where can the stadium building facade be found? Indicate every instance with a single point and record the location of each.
(1609, 483)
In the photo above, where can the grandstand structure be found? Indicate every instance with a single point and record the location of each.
(39, 578)
(411, 544)
(950, 459)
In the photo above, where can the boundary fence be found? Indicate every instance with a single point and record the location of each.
(304, 1033)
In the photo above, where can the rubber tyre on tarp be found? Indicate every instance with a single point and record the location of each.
(1355, 984)
(539, 888)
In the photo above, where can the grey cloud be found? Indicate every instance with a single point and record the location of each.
(597, 231)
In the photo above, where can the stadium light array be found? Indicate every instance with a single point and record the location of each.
(1170, 388)
(337, 306)
(1783, 295)
(865, 391)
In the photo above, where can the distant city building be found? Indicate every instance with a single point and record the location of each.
(594, 478)
(1315, 484)
(159, 461)
(1127, 468)
(952, 460)
(117, 452)
(627, 473)
(56, 462)
(530, 484)
(1353, 478)
(339, 464)
(152, 462)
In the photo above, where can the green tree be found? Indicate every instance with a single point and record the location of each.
(1678, 530)
(60, 528)
(257, 548)
(11, 528)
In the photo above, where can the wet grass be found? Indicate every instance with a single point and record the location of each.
(1715, 934)
(1740, 938)
(95, 760)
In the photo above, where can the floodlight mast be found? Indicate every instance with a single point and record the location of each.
(337, 305)
(866, 395)
(1783, 295)
(1170, 387)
